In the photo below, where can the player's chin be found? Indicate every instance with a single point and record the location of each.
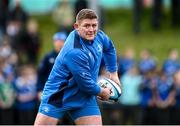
(90, 38)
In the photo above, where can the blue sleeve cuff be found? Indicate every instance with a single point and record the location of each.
(97, 90)
(111, 68)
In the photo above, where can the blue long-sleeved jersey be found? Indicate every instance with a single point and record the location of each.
(72, 81)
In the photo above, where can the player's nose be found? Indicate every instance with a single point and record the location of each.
(91, 28)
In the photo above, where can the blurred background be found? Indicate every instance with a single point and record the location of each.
(146, 34)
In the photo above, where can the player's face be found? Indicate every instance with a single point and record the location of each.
(87, 28)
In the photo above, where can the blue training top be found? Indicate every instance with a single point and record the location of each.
(73, 79)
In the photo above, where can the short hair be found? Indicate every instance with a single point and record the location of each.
(86, 14)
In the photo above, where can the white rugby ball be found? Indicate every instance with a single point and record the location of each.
(115, 88)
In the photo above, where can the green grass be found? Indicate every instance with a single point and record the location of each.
(118, 25)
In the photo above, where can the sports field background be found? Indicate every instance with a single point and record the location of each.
(118, 25)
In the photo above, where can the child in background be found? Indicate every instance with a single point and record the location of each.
(131, 97)
(164, 98)
(26, 100)
(7, 93)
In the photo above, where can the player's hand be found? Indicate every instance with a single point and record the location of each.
(104, 94)
(114, 76)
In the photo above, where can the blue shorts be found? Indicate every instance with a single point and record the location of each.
(75, 113)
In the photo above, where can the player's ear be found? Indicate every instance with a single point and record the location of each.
(75, 26)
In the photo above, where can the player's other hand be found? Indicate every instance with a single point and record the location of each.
(114, 76)
(104, 94)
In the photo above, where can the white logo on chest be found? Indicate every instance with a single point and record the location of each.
(99, 48)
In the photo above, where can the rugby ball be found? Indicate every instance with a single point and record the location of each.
(115, 88)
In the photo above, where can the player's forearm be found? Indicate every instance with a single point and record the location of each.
(86, 84)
